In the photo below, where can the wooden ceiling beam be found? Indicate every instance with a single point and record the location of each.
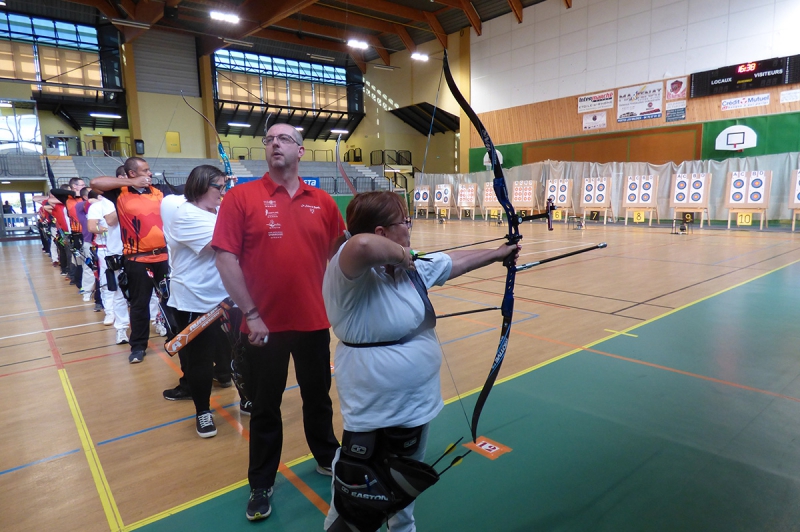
(267, 13)
(101, 5)
(437, 28)
(408, 42)
(472, 15)
(516, 8)
(342, 35)
(351, 19)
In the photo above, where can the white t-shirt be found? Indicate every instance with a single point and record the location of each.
(169, 209)
(113, 239)
(391, 386)
(195, 284)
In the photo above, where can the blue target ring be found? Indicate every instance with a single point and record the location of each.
(755, 196)
(739, 183)
(680, 196)
(552, 188)
(645, 197)
(631, 197)
(589, 188)
(798, 197)
(563, 188)
(681, 185)
(600, 198)
(417, 195)
(425, 196)
(551, 197)
(587, 198)
(737, 196)
(647, 185)
(632, 186)
(696, 196)
(438, 195)
(562, 198)
(697, 184)
(601, 187)
(757, 183)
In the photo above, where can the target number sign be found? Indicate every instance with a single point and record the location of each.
(638, 216)
(744, 218)
(688, 217)
(594, 215)
(488, 448)
(556, 215)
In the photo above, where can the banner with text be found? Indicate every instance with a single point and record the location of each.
(596, 102)
(641, 102)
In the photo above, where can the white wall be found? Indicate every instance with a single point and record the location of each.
(603, 44)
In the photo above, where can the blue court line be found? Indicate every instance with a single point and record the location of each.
(48, 459)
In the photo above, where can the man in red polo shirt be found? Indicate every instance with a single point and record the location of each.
(273, 240)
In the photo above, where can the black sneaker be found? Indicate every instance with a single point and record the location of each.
(136, 356)
(204, 423)
(258, 506)
(223, 382)
(98, 307)
(177, 394)
(246, 407)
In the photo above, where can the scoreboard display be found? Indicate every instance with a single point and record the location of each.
(746, 76)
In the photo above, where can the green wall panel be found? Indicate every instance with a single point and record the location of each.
(776, 134)
(512, 156)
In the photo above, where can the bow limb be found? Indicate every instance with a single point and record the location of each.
(501, 191)
(222, 155)
(340, 166)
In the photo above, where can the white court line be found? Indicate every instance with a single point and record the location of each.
(45, 310)
(51, 330)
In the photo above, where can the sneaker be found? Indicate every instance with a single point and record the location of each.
(122, 336)
(87, 296)
(325, 471)
(258, 506)
(223, 382)
(108, 320)
(98, 307)
(204, 423)
(160, 329)
(177, 394)
(245, 407)
(136, 356)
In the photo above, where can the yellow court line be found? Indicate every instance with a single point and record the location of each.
(609, 337)
(101, 483)
(619, 332)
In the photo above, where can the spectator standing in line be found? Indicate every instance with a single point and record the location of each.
(273, 239)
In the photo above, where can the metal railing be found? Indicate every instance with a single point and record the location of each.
(262, 154)
(242, 153)
(21, 165)
(387, 157)
(353, 155)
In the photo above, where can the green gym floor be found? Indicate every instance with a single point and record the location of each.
(687, 422)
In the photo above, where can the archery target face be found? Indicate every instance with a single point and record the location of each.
(795, 203)
(679, 188)
(601, 187)
(737, 196)
(736, 193)
(738, 184)
(680, 197)
(696, 197)
(647, 185)
(438, 195)
(417, 195)
(562, 198)
(631, 198)
(425, 195)
(601, 198)
(755, 197)
(589, 187)
(757, 187)
(645, 198)
(563, 188)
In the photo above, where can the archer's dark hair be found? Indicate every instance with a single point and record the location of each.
(85, 192)
(74, 180)
(120, 171)
(199, 180)
(369, 210)
(132, 164)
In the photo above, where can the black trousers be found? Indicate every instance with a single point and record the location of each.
(141, 287)
(199, 356)
(63, 260)
(266, 380)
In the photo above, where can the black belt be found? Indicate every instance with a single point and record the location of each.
(428, 322)
(154, 252)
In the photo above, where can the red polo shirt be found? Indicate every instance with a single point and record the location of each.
(283, 245)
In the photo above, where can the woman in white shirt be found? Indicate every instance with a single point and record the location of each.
(388, 358)
(195, 284)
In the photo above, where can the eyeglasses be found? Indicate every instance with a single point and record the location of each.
(218, 187)
(283, 138)
(407, 222)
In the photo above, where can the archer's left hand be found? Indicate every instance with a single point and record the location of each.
(505, 251)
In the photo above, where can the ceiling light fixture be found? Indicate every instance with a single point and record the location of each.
(238, 124)
(322, 57)
(355, 43)
(237, 42)
(224, 17)
(130, 23)
(5, 182)
(341, 131)
(419, 57)
(385, 67)
(298, 128)
(105, 115)
(6, 104)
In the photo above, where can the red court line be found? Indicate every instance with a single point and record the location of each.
(652, 365)
(301, 486)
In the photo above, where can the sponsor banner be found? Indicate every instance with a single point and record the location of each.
(594, 121)
(676, 111)
(596, 102)
(641, 102)
(744, 102)
(790, 96)
(311, 181)
(676, 89)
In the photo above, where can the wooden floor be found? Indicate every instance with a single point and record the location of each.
(88, 442)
